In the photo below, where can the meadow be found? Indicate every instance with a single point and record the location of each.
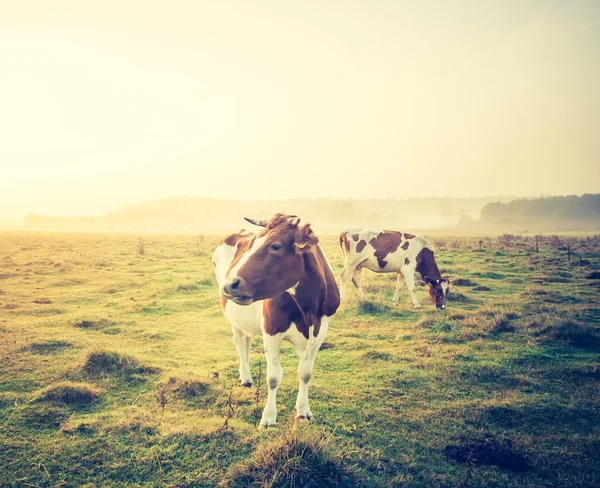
(118, 369)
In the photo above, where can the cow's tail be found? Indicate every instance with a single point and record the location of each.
(344, 244)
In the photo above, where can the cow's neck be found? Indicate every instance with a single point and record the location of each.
(426, 264)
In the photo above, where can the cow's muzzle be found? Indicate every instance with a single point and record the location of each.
(234, 290)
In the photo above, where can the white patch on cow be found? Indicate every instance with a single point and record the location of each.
(222, 258)
(256, 245)
(445, 287)
(292, 290)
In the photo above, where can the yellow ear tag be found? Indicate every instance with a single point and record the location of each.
(301, 246)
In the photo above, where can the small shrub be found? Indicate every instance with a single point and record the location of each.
(69, 393)
(303, 458)
(482, 288)
(594, 275)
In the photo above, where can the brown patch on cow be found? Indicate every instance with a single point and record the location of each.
(223, 302)
(344, 244)
(406, 261)
(409, 236)
(426, 264)
(361, 245)
(405, 245)
(385, 243)
(316, 295)
(233, 239)
(355, 237)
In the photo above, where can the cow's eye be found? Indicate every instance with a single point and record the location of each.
(275, 247)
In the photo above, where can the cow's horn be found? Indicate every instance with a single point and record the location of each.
(261, 223)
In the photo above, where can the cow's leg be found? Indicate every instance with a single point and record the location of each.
(409, 277)
(305, 367)
(345, 277)
(399, 285)
(274, 377)
(356, 274)
(242, 343)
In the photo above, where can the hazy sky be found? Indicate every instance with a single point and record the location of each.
(105, 102)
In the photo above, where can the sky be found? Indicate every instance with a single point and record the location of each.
(109, 102)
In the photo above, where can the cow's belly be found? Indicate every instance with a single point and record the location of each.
(373, 265)
(246, 318)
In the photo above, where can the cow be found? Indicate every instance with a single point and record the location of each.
(392, 252)
(277, 283)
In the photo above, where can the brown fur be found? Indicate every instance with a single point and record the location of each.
(354, 237)
(406, 261)
(267, 275)
(344, 244)
(361, 245)
(405, 245)
(385, 243)
(409, 236)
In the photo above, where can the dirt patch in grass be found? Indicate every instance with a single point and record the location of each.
(92, 323)
(326, 345)
(594, 275)
(68, 393)
(372, 308)
(47, 347)
(457, 297)
(377, 356)
(43, 301)
(464, 282)
(488, 453)
(301, 457)
(109, 362)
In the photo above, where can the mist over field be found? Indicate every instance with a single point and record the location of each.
(331, 216)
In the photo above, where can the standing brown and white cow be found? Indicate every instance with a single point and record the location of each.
(277, 283)
(392, 252)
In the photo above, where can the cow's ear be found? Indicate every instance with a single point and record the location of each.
(429, 281)
(305, 237)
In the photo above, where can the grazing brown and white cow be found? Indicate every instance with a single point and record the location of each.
(392, 252)
(277, 283)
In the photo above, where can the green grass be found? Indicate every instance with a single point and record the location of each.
(118, 370)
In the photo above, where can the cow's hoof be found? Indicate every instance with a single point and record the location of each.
(300, 418)
(266, 425)
(247, 384)
(417, 306)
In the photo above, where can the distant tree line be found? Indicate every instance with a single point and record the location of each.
(551, 213)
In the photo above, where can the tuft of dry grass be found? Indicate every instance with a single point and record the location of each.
(99, 362)
(300, 458)
(69, 393)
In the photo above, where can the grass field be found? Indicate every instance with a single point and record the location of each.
(118, 369)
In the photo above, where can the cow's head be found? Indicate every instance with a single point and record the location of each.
(438, 290)
(274, 263)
